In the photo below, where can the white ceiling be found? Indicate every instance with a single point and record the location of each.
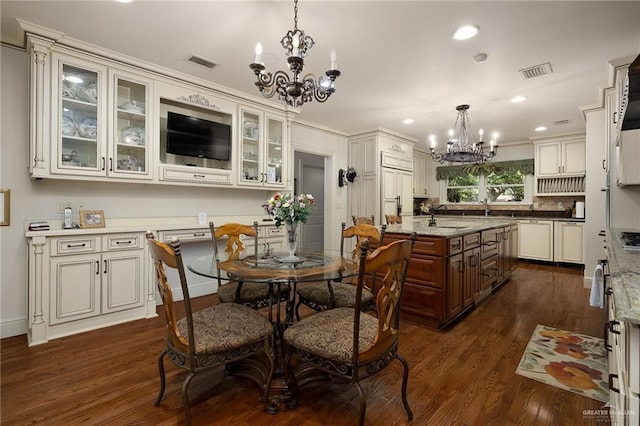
(397, 58)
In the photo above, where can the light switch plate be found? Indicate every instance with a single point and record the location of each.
(202, 218)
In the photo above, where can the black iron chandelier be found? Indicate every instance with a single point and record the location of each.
(295, 90)
(461, 150)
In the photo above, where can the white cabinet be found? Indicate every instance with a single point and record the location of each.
(83, 281)
(397, 197)
(421, 161)
(85, 285)
(99, 120)
(560, 166)
(384, 163)
(262, 149)
(568, 243)
(628, 158)
(535, 240)
(560, 158)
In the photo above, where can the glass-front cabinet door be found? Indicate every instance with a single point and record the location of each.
(79, 117)
(251, 148)
(274, 151)
(129, 154)
(262, 150)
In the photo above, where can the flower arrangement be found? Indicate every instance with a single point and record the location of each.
(288, 208)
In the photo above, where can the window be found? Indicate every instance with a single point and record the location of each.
(499, 183)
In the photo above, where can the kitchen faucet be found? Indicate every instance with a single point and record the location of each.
(486, 207)
(432, 221)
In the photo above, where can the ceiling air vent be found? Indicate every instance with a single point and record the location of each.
(536, 70)
(196, 59)
(560, 122)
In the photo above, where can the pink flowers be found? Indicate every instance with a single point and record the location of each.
(290, 209)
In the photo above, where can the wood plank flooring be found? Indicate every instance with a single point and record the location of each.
(464, 376)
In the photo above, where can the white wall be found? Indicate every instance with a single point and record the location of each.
(39, 199)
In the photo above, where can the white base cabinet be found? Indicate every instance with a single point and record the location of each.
(85, 281)
(535, 240)
(568, 238)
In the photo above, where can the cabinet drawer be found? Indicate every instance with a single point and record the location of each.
(432, 246)
(200, 234)
(61, 246)
(426, 271)
(273, 231)
(488, 272)
(455, 245)
(423, 301)
(199, 176)
(489, 244)
(470, 241)
(123, 242)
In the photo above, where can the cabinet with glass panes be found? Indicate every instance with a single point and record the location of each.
(99, 121)
(262, 144)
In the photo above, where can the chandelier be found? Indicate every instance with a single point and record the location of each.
(461, 150)
(295, 90)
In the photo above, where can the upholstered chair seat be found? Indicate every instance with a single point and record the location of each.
(317, 295)
(226, 327)
(330, 335)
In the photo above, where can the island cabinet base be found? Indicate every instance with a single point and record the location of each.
(447, 276)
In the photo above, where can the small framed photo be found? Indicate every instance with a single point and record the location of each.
(91, 218)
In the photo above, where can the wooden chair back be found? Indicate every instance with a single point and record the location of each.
(360, 233)
(363, 220)
(234, 232)
(169, 255)
(390, 262)
(393, 219)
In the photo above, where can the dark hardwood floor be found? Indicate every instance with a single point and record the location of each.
(464, 376)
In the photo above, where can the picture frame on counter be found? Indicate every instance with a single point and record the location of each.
(91, 219)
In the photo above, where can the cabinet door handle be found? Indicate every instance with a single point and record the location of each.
(124, 242)
(604, 164)
(75, 245)
(611, 387)
(111, 164)
(105, 266)
(455, 245)
(612, 324)
(198, 234)
(607, 346)
(199, 176)
(103, 162)
(461, 266)
(614, 117)
(97, 267)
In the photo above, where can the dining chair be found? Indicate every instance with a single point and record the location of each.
(366, 220)
(346, 343)
(393, 219)
(322, 295)
(212, 337)
(254, 295)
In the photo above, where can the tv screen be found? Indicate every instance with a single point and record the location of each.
(195, 137)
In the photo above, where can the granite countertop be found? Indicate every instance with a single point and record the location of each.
(449, 226)
(624, 267)
(530, 215)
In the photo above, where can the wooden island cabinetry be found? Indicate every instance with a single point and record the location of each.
(453, 268)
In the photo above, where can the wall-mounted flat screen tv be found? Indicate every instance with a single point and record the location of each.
(195, 137)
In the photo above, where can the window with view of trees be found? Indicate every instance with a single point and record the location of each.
(494, 184)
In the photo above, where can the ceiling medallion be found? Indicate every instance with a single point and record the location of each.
(461, 150)
(295, 90)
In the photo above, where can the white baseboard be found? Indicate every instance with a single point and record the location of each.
(13, 327)
(587, 282)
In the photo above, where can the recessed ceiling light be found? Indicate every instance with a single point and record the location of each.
(540, 129)
(466, 32)
(518, 98)
(408, 121)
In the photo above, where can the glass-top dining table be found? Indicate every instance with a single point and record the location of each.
(276, 273)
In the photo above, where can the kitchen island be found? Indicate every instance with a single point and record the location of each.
(455, 264)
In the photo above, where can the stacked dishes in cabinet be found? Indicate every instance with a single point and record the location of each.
(131, 125)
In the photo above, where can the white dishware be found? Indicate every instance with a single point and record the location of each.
(88, 128)
(132, 136)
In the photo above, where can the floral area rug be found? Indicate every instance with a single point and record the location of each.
(574, 362)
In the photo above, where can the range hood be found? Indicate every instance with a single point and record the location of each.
(631, 118)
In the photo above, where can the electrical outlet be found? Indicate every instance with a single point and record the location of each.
(63, 205)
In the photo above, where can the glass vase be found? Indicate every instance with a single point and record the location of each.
(292, 241)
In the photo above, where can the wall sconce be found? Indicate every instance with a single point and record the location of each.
(346, 176)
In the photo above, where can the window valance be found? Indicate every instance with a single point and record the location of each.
(446, 172)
